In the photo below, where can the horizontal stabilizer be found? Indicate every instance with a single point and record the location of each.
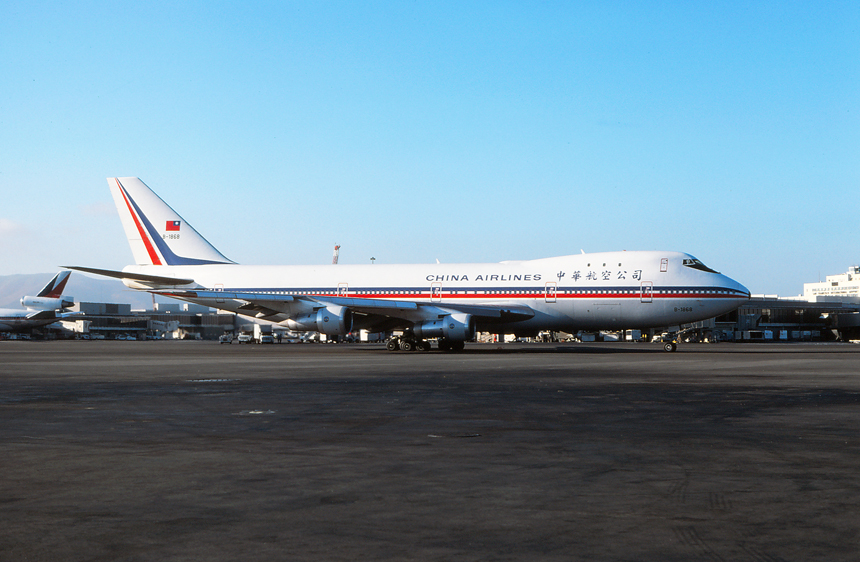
(42, 315)
(139, 277)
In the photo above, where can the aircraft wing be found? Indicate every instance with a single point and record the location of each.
(500, 313)
(264, 304)
(410, 311)
(269, 304)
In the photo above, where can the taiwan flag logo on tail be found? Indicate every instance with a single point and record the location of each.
(173, 226)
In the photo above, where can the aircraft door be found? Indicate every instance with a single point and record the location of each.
(343, 289)
(550, 291)
(646, 291)
(436, 292)
(219, 287)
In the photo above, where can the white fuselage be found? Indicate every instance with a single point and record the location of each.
(612, 290)
(12, 320)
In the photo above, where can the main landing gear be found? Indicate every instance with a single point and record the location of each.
(407, 343)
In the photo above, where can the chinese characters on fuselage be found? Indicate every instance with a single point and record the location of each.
(575, 276)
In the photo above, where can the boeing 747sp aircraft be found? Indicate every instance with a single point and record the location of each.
(448, 302)
(41, 309)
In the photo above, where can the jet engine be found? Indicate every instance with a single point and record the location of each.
(456, 327)
(331, 321)
(46, 303)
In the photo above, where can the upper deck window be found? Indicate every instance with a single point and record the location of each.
(696, 264)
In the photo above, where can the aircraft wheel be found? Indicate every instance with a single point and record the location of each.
(423, 345)
(406, 345)
(670, 346)
(444, 344)
(458, 345)
(391, 345)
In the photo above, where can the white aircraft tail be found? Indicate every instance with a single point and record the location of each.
(156, 233)
(51, 295)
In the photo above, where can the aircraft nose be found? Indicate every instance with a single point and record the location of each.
(742, 293)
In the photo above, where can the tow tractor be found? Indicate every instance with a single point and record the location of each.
(670, 344)
(408, 342)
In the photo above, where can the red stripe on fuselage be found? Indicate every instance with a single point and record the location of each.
(153, 256)
(514, 296)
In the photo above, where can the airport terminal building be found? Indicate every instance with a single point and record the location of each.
(828, 310)
(165, 321)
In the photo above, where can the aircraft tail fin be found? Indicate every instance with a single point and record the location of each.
(156, 233)
(54, 288)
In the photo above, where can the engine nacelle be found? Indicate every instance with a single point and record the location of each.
(46, 303)
(331, 321)
(457, 327)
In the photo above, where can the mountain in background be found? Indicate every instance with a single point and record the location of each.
(80, 287)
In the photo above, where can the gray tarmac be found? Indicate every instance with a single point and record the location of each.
(198, 451)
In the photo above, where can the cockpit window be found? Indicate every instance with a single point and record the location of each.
(696, 264)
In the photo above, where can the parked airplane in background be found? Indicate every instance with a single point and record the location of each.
(612, 290)
(45, 308)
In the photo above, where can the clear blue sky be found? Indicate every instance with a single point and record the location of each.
(458, 131)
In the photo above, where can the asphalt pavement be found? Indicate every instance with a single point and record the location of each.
(169, 450)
